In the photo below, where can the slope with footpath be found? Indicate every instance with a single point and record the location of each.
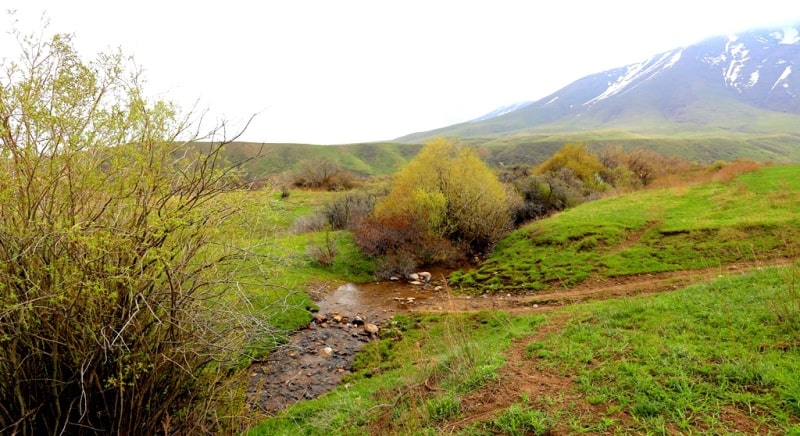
(697, 331)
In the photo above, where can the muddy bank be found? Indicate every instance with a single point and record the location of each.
(316, 358)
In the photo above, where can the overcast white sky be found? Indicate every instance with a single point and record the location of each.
(330, 72)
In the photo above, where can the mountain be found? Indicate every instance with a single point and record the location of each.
(745, 84)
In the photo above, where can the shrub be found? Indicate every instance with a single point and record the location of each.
(344, 211)
(579, 164)
(323, 174)
(309, 223)
(402, 244)
(452, 194)
(323, 252)
(115, 310)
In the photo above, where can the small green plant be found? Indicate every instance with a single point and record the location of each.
(520, 419)
(443, 408)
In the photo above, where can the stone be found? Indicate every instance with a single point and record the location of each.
(426, 276)
(326, 352)
(372, 329)
(319, 318)
(358, 320)
(413, 276)
(416, 283)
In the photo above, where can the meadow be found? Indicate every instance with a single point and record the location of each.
(718, 357)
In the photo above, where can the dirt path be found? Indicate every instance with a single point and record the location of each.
(316, 359)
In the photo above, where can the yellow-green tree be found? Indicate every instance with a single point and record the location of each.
(449, 189)
(579, 162)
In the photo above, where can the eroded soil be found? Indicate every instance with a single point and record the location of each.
(315, 359)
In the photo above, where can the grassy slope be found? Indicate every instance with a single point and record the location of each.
(380, 159)
(722, 357)
(714, 358)
(753, 217)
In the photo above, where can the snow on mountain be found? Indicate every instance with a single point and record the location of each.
(739, 75)
(637, 72)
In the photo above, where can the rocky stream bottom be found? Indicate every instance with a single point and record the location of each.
(316, 358)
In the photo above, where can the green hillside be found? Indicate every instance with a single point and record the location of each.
(386, 158)
(754, 217)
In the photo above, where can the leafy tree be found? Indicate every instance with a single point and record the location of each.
(116, 310)
(579, 163)
(449, 189)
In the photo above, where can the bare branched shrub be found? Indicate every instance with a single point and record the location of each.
(343, 212)
(323, 174)
(119, 311)
(402, 244)
(309, 223)
(323, 252)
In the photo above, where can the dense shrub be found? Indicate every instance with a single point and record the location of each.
(401, 244)
(577, 167)
(453, 195)
(116, 310)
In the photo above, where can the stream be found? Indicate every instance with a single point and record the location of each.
(316, 358)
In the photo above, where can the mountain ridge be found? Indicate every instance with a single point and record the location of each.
(741, 84)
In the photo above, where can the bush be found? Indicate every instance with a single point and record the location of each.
(343, 212)
(115, 310)
(324, 252)
(323, 174)
(453, 196)
(309, 223)
(401, 244)
(579, 164)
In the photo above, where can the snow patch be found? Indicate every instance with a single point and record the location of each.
(790, 36)
(753, 79)
(739, 56)
(782, 78)
(637, 72)
(551, 100)
(715, 60)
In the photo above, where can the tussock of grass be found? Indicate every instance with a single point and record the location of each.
(750, 217)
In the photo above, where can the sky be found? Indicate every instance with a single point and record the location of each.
(347, 71)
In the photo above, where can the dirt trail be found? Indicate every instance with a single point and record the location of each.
(315, 359)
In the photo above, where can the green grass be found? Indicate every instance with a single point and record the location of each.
(397, 379)
(687, 360)
(717, 358)
(750, 218)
